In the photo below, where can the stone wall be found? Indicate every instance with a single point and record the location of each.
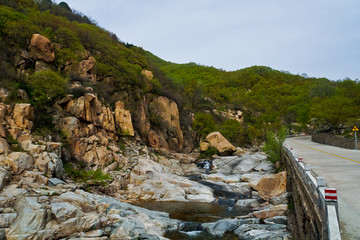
(303, 220)
(333, 140)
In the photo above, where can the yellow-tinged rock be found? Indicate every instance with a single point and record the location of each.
(41, 48)
(279, 210)
(204, 146)
(272, 186)
(123, 119)
(220, 143)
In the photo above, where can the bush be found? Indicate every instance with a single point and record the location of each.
(274, 146)
(233, 131)
(89, 177)
(208, 153)
(46, 86)
(204, 124)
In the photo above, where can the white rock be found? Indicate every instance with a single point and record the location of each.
(6, 219)
(247, 203)
(238, 165)
(150, 180)
(64, 210)
(219, 177)
(220, 227)
(31, 218)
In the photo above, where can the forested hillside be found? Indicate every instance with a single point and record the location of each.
(267, 97)
(263, 98)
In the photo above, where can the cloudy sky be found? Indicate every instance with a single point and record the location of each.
(318, 37)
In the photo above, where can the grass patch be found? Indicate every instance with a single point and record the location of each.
(90, 177)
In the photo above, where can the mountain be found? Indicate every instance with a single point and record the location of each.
(75, 56)
(88, 121)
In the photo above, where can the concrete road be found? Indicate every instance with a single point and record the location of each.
(341, 169)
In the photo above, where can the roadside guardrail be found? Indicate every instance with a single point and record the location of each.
(323, 198)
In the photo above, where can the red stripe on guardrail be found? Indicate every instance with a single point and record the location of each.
(330, 194)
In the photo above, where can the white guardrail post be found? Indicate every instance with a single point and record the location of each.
(327, 197)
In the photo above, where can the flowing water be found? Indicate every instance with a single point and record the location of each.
(195, 213)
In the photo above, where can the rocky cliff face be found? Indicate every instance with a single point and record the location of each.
(158, 124)
(156, 118)
(92, 129)
(35, 205)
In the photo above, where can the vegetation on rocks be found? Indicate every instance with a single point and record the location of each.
(90, 177)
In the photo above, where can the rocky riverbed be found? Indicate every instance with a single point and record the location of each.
(235, 197)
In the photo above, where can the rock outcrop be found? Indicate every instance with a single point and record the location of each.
(215, 139)
(85, 68)
(236, 115)
(272, 186)
(91, 130)
(123, 119)
(157, 121)
(41, 48)
(148, 74)
(164, 112)
(19, 118)
(62, 212)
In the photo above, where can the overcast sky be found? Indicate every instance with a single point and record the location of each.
(318, 37)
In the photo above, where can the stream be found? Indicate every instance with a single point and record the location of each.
(235, 211)
(193, 214)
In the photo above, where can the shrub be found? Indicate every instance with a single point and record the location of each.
(209, 153)
(233, 131)
(46, 86)
(274, 145)
(91, 177)
(204, 124)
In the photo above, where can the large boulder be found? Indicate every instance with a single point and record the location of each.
(222, 226)
(123, 119)
(152, 181)
(272, 186)
(220, 143)
(41, 48)
(166, 112)
(31, 218)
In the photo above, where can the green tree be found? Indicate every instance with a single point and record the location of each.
(335, 111)
(233, 131)
(46, 86)
(203, 124)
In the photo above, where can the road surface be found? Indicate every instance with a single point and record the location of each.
(341, 169)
